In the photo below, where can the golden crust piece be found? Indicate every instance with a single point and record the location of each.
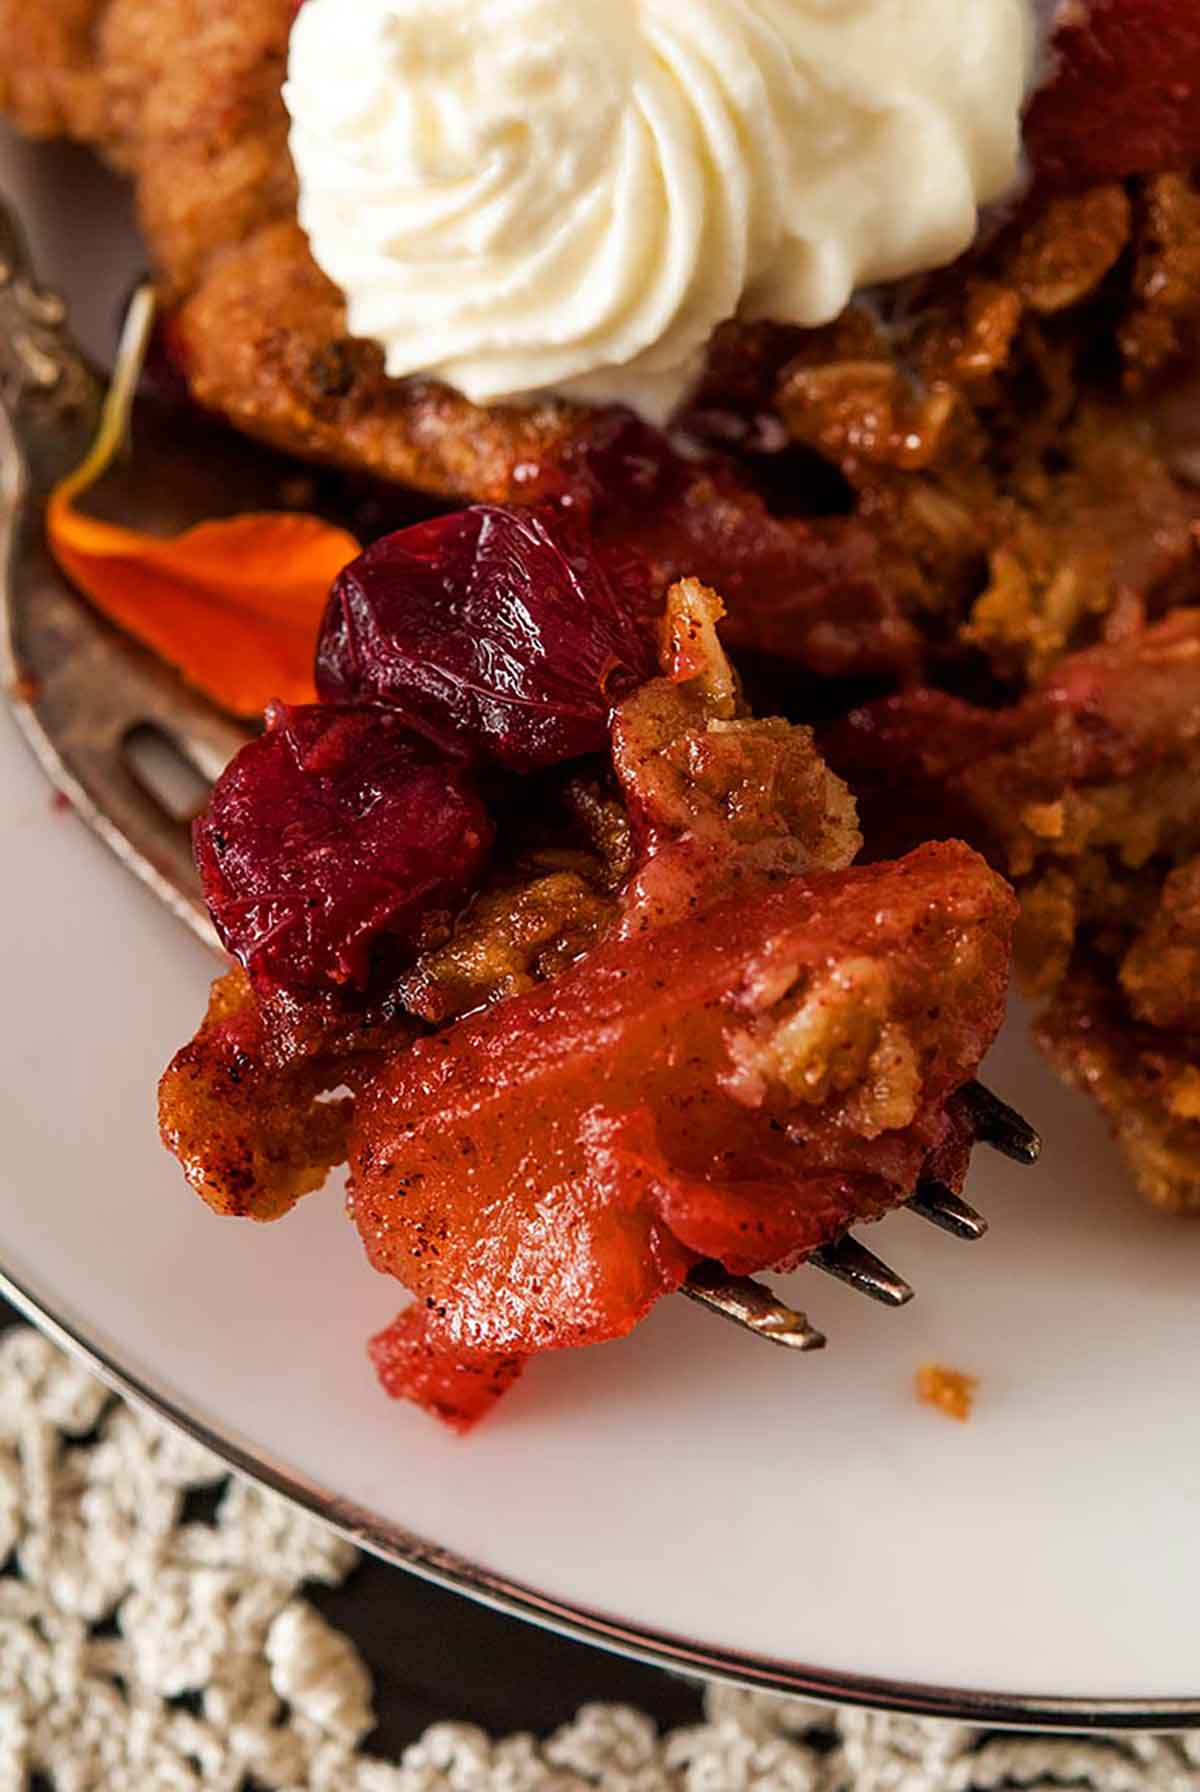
(186, 95)
(251, 1128)
(1146, 1082)
(264, 341)
(50, 79)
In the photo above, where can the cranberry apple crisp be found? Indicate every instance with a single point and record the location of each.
(960, 482)
(586, 947)
(581, 943)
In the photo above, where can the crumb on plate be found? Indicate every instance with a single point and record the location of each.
(949, 1390)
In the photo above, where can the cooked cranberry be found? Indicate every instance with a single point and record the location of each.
(808, 589)
(337, 828)
(615, 464)
(500, 632)
(1123, 95)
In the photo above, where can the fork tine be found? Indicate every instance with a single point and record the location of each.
(938, 1204)
(995, 1123)
(862, 1270)
(748, 1304)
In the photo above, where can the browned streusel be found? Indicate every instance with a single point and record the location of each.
(1087, 795)
(249, 1123)
(1146, 1080)
(995, 424)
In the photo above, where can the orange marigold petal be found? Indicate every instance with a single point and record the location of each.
(234, 605)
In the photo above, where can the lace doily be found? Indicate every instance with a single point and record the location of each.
(143, 1651)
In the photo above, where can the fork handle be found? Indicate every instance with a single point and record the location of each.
(48, 390)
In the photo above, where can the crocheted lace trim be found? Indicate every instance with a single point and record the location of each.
(218, 1675)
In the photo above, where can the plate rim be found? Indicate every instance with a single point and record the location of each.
(455, 1573)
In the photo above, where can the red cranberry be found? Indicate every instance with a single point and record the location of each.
(502, 633)
(1124, 92)
(336, 829)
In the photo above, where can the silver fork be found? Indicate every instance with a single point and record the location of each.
(103, 715)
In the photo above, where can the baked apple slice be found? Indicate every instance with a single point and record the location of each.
(765, 1051)
(743, 1085)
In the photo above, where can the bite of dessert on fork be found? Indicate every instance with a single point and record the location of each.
(645, 1030)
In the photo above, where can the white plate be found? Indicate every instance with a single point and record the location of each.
(688, 1494)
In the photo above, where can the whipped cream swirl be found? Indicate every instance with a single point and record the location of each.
(523, 197)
